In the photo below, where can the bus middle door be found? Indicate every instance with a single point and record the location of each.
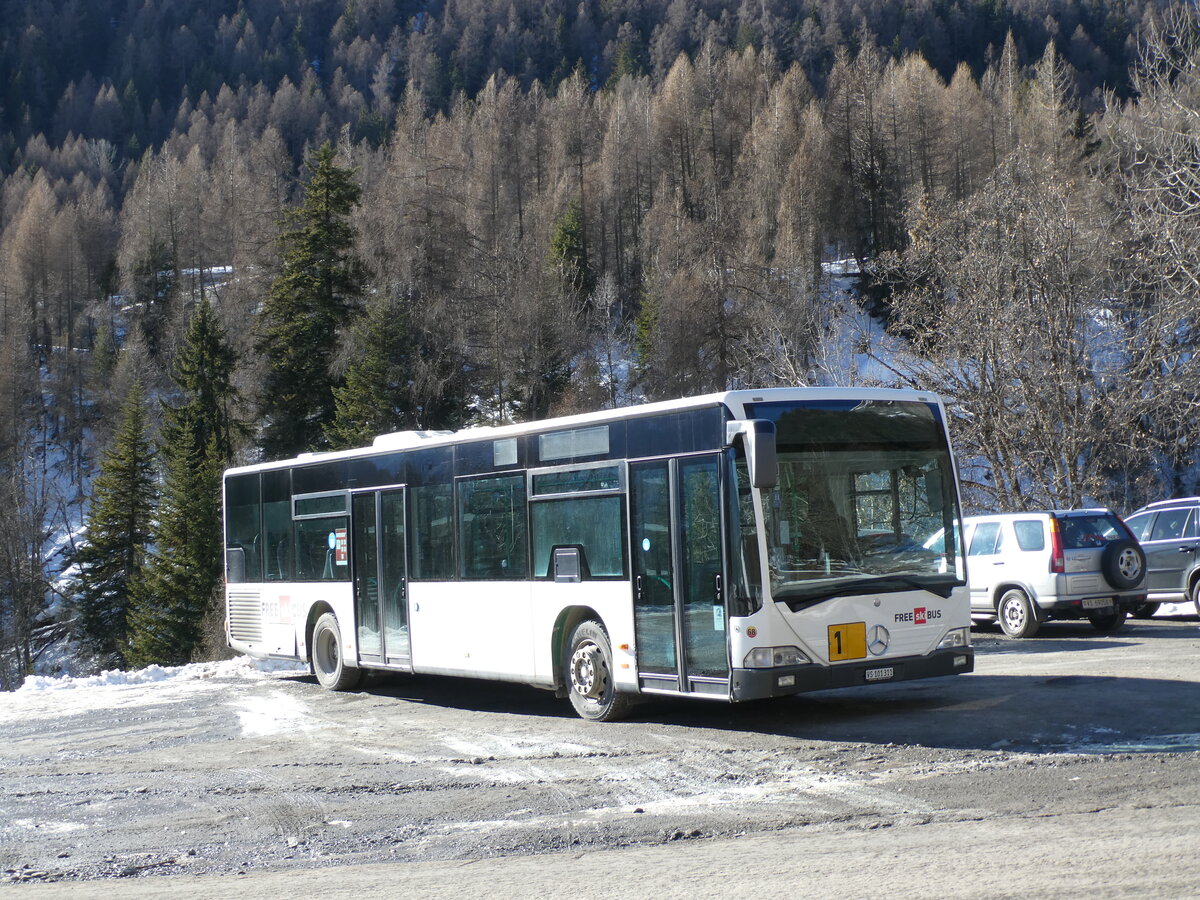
(381, 577)
(679, 575)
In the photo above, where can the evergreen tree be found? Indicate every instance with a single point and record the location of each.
(203, 374)
(167, 607)
(112, 562)
(377, 396)
(321, 280)
(569, 253)
(184, 570)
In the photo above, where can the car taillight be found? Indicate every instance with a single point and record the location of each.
(1057, 561)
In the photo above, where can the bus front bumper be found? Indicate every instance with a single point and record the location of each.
(754, 684)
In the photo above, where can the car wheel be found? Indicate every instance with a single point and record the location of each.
(589, 675)
(1194, 595)
(1123, 564)
(1146, 610)
(1016, 614)
(1107, 622)
(328, 659)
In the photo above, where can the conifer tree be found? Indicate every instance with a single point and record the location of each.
(112, 562)
(377, 394)
(168, 605)
(569, 253)
(321, 280)
(184, 569)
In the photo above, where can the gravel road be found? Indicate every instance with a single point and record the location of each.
(1066, 765)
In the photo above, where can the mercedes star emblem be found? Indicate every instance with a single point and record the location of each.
(877, 640)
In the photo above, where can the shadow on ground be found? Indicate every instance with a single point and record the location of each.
(1072, 711)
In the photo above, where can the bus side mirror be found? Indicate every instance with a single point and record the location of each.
(758, 440)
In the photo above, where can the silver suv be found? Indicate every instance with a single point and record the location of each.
(1025, 568)
(1169, 532)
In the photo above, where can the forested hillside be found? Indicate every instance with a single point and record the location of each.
(121, 71)
(540, 208)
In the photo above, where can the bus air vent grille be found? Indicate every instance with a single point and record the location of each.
(245, 616)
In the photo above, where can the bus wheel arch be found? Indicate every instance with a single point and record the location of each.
(564, 627)
(315, 612)
(326, 652)
(590, 674)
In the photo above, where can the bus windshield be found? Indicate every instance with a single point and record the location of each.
(864, 499)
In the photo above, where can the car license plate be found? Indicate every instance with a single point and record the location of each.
(880, 674)
(848, 641)
(1096, 602)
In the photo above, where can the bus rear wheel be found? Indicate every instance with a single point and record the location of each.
(589, 675)
(328, 658)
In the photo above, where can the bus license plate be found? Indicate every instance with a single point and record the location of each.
(880, 674)
(1096, 602)
(848, 641)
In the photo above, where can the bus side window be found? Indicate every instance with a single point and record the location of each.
(321, 550)
(432, 553)
(491, 522)
(595, 524)
(277, 525)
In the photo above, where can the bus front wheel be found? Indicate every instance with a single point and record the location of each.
(328, 658)
(589, 675)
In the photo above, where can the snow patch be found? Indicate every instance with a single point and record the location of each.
(276, 713)
(496, 745)
(48, 827)
(239, 667)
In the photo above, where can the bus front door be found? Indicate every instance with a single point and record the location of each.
(381, 577)
(679, 575)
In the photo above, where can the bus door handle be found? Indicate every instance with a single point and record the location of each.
(718, 590)
(637, 588)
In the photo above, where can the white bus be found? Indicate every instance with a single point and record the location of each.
(732, 546)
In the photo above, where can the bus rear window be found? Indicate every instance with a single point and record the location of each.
(243, 522)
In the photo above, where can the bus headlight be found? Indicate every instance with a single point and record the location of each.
(956, 637)
(770, 657)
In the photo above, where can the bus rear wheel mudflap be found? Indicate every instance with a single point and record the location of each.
(588, 671)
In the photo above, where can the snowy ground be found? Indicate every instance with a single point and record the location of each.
(224, 768)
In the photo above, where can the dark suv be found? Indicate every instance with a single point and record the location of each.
(1169, 532)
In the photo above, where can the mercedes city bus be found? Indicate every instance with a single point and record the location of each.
(733, 546)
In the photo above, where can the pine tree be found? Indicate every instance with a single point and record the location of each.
(569, 253)
(321, 280)
(377, 396)
(168, 606)
(184, 569)
(112, 561)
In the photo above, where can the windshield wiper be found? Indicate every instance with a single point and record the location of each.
(802, 597)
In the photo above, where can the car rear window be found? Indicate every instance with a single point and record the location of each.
(1030, 535)
(1082, 532)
